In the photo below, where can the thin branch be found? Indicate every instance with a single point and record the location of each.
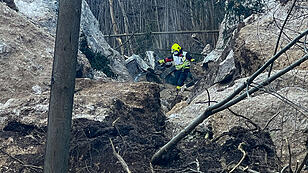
(284, 99)
(127, 40)
(244, 155)
(159, 33)
(284, 168)
(248, 170)
(228, 101)
(302, 164)
(270, 120)
(249, 120)
(21, 162)
(119, 157)
(236, 114)
(277, 44)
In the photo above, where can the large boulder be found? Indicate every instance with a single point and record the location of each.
(257, 39)
(44, 13)
(279, 108)
(26, 56)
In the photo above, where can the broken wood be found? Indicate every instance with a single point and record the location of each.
(244, 155)
(32, 167)
(159, 33)
(231, 100)
(119, 157)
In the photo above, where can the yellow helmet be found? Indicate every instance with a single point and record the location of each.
(175, 47)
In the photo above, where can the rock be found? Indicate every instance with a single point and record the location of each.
(11, 4)
(213, 56)
(96, 41)
(136, 66)
(150, 59)
(83, 67)
(259, 107)
(37, 90)
(207, 49)
(4, 48)
(28, 55)
(44, 13)
(226, 69)
(257, 39)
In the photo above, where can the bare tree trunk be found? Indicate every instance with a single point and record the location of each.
(114, 25)
(192, 14)
(62, 87)
(159, 42)
(126, 26)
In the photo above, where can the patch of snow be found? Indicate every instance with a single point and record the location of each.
(37, 90)
(32, 9)
(7, 104)
(41, 108)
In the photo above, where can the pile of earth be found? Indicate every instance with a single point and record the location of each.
(137, 134)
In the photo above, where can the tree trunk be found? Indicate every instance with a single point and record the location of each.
(62, 87)
(159, 42)
(114, 25)
(126, 26)
(192, 14)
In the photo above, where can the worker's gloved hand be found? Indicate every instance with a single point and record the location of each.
(192, 60)
(162, 61)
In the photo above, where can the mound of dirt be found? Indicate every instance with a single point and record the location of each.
(136, 136)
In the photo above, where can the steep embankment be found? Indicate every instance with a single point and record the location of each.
(26, 56)
(281, 107)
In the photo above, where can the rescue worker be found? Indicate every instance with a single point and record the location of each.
(181, 61)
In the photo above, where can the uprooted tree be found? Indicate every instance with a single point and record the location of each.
(232, 99)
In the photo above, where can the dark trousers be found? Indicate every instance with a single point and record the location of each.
(180, 76)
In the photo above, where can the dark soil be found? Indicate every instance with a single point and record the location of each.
(137, 135)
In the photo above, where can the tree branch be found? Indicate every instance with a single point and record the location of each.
(281, 30)
(159, 33)
(119, 157)
(228, 101)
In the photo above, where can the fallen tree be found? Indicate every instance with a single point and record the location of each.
(231, 100)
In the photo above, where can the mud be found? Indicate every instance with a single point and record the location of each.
(136, 136)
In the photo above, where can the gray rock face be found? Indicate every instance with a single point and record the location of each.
(226, 68)
(44, 13)
(96, 41)
(260, 107)
(83, 67)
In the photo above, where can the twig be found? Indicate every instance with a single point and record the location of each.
(270, 120)
(236, 114)
(305, 46)
(247, 169)
(21, 162)
(208, 96)
(296, 167)
(302, 164)
(284, 99)
(113, 123)
(284, 168)
(125, 42)
(123, 163)
(244, 155)
(277, 44)
(151, 167)
(249, 120)
(290, 156)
